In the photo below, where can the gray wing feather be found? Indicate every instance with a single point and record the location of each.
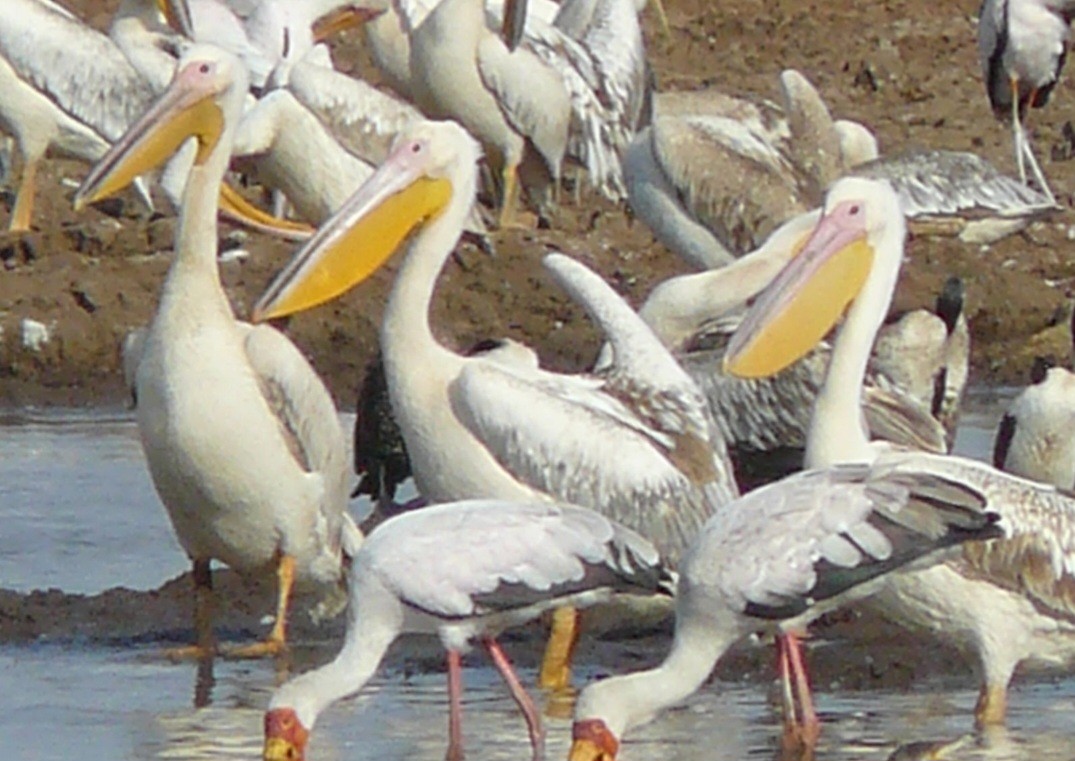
(811, 537)
(78, 68)
(553, 432)
(306, 413)
(468, 558)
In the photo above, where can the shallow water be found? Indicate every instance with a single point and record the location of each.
(78, 513)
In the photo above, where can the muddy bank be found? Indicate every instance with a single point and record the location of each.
(849, 650)
(71, 290)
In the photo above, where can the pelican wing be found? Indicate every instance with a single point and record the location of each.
(526, 92)
(78, 68)
(600, 132)
(555, 434)
(1037, 558)
(305, 412)
(468, 558)
(731, 175)
(783, 548)
(363, 119)
(946, 183)
(894, 415)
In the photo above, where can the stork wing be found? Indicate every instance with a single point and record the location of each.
(810, 537)
(467, 558)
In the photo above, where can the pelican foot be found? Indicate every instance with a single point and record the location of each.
(191, 653)
(269, 648)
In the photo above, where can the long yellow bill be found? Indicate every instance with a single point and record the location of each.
(359, 237)
(238, 209)
(340, 20)
(186, 109)
(805, 300)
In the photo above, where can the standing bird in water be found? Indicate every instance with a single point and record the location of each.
(1022, 45)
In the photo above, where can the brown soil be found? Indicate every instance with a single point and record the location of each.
(907, 68)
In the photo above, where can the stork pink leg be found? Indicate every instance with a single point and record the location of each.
(811, 726)
(522, 699)
(455, 707)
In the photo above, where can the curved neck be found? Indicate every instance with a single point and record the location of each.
(376, 619)
(405, 332)
(627, 701)
(194, 276)
(837, 431)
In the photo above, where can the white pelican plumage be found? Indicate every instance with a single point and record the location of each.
(279, 505)
(475, 427)
(777, 558)
(465, 571)
(1033, 439)
(1007, 600)
(66, 88)
(1022, 45)
(915, 381)
(512, 102)
(713, 175)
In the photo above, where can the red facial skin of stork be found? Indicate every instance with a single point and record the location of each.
(592, 740)
(285, 737)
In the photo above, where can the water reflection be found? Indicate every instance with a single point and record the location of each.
(103, 526)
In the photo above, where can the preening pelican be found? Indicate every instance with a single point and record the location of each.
(475, 427)
(713, 175)
(778, 558)
(764, 421)
(1007, 600)
(279, 505)
(1034, 437)
(466, 571)
(1022, 45)
(66, 87)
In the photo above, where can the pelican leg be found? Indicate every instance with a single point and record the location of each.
(522, 699)
(992, 706)
(205, 647)
(22, 214)
(455, 707)
(510, 199)
(555, 671)
(276, 642)
(663, 17)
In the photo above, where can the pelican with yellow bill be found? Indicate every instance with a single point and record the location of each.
(502, 427)
(241, 437)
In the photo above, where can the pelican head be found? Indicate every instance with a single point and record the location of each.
(285, 736)
(205, 93)
(592, 740)
(860, 222)
(430, 165)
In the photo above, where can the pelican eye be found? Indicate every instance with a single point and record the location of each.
(416, 147)
(204, 68)
(854, 210)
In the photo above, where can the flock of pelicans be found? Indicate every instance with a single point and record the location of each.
(553, 491)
